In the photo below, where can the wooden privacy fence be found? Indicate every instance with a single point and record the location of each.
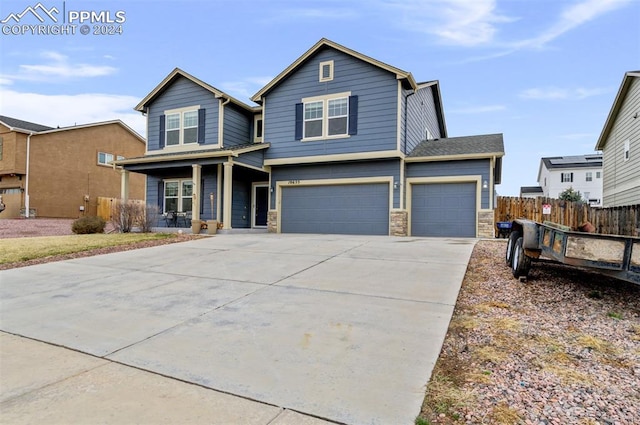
(105, 206)
(609, 221)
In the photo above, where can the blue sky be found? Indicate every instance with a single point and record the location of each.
(542, 72)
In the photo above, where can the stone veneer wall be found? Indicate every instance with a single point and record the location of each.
(486, 228)
(272, 222)
(399, 223)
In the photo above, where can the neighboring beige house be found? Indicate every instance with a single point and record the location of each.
(620, 145)
(60, 172)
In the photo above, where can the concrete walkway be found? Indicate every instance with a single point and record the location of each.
(246, 329)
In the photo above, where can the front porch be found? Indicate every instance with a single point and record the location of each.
(224, 191)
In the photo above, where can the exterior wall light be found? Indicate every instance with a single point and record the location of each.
(485, 184)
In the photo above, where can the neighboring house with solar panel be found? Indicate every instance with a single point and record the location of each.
(580, 172)
(60, 172)
(620, 145)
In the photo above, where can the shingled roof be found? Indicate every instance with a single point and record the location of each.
(489, 144)
(15, 123)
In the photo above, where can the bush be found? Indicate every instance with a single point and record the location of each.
(86, 225)
(127, 214)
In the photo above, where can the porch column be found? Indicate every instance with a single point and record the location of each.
(124, 184)
(228, 187)
(195, 202)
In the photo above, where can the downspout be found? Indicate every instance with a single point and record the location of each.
(221, 121)
(26, 184)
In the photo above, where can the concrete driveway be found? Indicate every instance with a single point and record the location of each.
(342, 328)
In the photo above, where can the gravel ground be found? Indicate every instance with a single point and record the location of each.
(21, 227)
(561, 348)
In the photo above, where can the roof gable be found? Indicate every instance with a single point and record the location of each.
(323, 43)
(615, 109)
(177, 73)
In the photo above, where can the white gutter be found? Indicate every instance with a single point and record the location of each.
(26, 184)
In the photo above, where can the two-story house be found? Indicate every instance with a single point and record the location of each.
(620, 145)
(61, 172)
(338, 143)
(582, 173)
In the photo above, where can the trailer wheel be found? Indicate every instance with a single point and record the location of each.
(513, 237)
(521, 263)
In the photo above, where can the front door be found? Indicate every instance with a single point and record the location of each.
(260, 205)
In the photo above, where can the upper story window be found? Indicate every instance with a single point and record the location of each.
(589, 177)
(598, 174)
(105, 158)
(325, 117)
(326, 71)
(626, 153)
(182, 126)
(257, 128)
(566, 177)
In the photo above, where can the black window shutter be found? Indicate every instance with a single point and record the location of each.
(200, 126)
(353, 115)
(299, 120)
(202, 199)
(162, 131)
(160, 196)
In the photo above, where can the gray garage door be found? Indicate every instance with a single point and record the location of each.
(353, 209)
(443, 209)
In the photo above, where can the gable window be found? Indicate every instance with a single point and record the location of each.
(325, 117)
(566, 177)
(105, 158)
(626, 153)
(178, 195)
(326, 71)
(257, 128)
(589, 177)
(182, 126)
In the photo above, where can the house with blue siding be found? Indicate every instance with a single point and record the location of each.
(337, 143)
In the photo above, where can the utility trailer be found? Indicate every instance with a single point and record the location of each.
(613, 255)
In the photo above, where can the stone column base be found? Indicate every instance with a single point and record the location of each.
(486, 227)
(272, 221)
(398, 223)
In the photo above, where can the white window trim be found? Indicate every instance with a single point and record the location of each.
(322, 65)
(106, 162)
(181, 129)
(627, 151)
(257, 118)
(179, 197)
(325, 116)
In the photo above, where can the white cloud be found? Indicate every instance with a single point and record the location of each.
(66, 110)
(571, 18)
(477, 109)
(557, 93)
(243, 90)
(458, 22)
(57, 66)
